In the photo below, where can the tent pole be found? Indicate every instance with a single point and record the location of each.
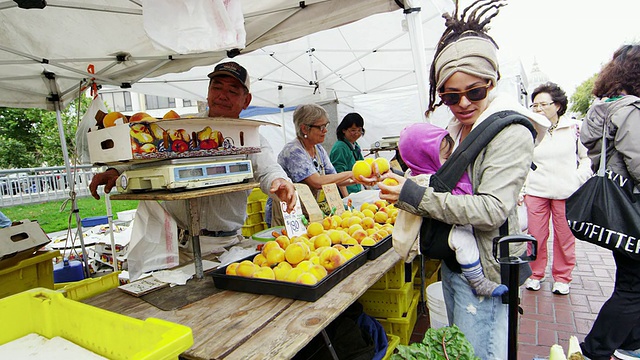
(416, 36)
(70, 177)
(114, 261)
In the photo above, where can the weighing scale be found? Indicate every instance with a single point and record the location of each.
(186, 173)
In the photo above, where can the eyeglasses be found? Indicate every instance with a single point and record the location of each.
(319, 127)
(356, 131)
(474, 94)
(540, 105)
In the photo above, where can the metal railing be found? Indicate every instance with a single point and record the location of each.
(37, 185)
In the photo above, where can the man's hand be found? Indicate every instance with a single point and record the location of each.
(285, 191)
(107, 178)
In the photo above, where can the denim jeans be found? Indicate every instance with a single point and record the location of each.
(483, 320)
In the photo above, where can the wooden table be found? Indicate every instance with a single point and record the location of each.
(193, 209)
(235, 325)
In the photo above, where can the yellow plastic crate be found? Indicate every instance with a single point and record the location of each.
(263, 204)
(432, 272)
(255, 218)
(393, 341)
(396, 277)
(254, 207)
(48, 313)
(403, 326)
(389, 303)
(257, 195)
(83, 289)
(36, 271)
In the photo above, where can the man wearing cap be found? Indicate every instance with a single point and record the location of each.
(222, 216)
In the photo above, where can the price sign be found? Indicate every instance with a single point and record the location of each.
(293, 221)
(333, 198)
(309, 202)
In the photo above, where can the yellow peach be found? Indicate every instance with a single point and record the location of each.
(296, 252)
(231, 268)
(318, 271)
(293, 274)
(314, 228)
(381, 217)
(307, 278)
(246, 268)
(367, 241)
(259, 259)
(383, 165)
(264, 272)
(331, 258)
(322, 240)
(275, 256)
(361, 168)
(281, 270)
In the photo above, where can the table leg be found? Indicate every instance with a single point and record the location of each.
(329, 346)
(194, 233)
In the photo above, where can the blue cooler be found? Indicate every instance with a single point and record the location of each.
(68, 271)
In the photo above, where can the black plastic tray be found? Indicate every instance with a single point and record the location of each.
(286, 289)
(379, 248)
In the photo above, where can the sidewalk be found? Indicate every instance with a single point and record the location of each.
(551, 319)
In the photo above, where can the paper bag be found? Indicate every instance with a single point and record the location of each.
(154, 240)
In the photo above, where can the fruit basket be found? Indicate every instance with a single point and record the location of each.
(287, 289)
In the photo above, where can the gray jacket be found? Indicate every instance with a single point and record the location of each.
(622, 117)
(497, 175)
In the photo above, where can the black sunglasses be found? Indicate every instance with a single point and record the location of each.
(474, 94)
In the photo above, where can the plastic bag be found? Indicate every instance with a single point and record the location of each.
(196, 25)
(88, 121)
(154, 240)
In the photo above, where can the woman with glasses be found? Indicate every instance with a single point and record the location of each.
(562, 165)
(346, 151)
(305, 160)
(464, 74)
(616, 110)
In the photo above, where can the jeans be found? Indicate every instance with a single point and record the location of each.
(483, 320)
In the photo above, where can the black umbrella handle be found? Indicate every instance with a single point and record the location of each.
(502, 243)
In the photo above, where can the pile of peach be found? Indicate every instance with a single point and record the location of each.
(308, 258)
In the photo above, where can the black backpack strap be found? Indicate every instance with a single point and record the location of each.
(446, 178)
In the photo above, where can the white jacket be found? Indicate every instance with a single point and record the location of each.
(562, 164)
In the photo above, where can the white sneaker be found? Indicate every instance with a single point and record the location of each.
(560, 288)
(532, 284)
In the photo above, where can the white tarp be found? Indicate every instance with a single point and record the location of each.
(65, 37)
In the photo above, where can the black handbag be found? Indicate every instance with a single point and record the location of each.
(434, 234)
(604, 211)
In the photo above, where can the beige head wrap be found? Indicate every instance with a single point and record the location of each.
(472, 55)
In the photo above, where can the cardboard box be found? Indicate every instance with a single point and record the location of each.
(20, 242)
(176, 138)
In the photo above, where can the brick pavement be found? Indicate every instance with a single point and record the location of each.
(551, 319)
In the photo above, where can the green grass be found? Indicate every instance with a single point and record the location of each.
(51, 219)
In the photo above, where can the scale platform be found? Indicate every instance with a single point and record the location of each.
(185, 174)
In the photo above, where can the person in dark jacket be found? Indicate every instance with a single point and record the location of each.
(616, 330)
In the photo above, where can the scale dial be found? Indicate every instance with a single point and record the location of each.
(124, 182)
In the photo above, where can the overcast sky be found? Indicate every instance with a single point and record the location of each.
(569, 39)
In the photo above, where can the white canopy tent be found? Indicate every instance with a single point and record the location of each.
(47, 47)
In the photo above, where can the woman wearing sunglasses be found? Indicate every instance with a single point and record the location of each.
(464, 75)
(556, 177)
(305, 160)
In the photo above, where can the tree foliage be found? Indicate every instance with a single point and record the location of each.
(583, 97)
(30, 137)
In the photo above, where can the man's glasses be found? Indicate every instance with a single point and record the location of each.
(319, 127)
(474, 94)
(540, 105)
